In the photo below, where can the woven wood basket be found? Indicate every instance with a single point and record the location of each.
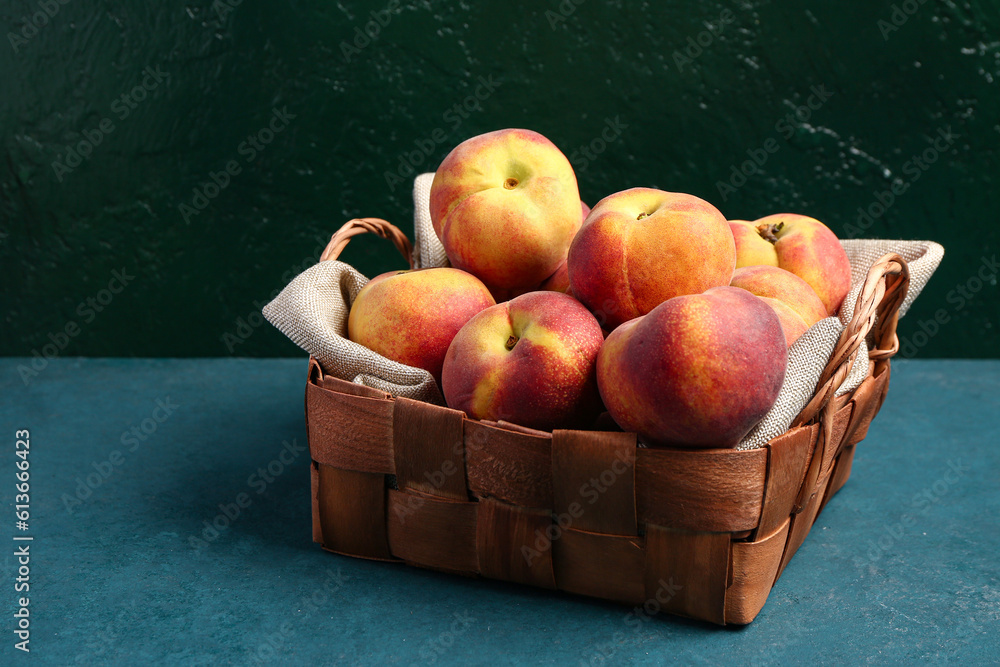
(703, 533)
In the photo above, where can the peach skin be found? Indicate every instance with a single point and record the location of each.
(800, 244)
(530, 361)
(506, 206)
(412, 316)
(640, 247)
(796, 304)
(697, 371)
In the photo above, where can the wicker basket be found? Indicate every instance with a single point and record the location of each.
(703, 533)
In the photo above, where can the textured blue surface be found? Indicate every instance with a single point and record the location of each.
(901, 566)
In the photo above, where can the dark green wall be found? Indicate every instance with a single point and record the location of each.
(562, 69)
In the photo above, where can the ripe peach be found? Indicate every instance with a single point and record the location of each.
(506, 206)
(559, 281)
(642, 246)
(412, 316)
(796, 304)
(697, 371)
(529, 361)
(791, 322)
(800, 244)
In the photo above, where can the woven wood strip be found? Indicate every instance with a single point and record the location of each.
(593, 480)
(753, 570)
(513, 466)
(876, 314)
(838, 432)
(697, 563)
(609, 567)
(866, 404)
(883, 366)
(801, 524)
(331, 383)
(314, 496)
(513, 544)
(429, 450)
(350, 432)
(432, 532)
(351, 508)
(788, 456)
(833, 423)
(841, 472)
(712, 490)
(376, 226)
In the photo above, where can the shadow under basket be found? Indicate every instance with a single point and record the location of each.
(704, 533)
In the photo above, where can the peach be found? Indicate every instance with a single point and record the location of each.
(530, 361)
(412, 316)
(642, 246)
(506, 206)
(697, 371)
(793, 300)
(791, 322)
(800, 244)
(559, 281)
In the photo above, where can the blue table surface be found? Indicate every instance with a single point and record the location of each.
(902, 565)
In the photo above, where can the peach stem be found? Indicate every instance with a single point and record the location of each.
(769, 232)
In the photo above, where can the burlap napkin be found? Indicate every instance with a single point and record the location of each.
(312, 311)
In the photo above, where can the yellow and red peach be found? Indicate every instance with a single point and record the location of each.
(530, 361)
(642, 246)
(506, 206)
(800, 244)
(412, 316)
(559, 281)
(793, 300)
(697, 371)
(791, 322)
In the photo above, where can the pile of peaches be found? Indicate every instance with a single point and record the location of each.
(650, 306)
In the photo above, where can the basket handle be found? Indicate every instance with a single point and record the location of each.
(876, 312)
(378, 226)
